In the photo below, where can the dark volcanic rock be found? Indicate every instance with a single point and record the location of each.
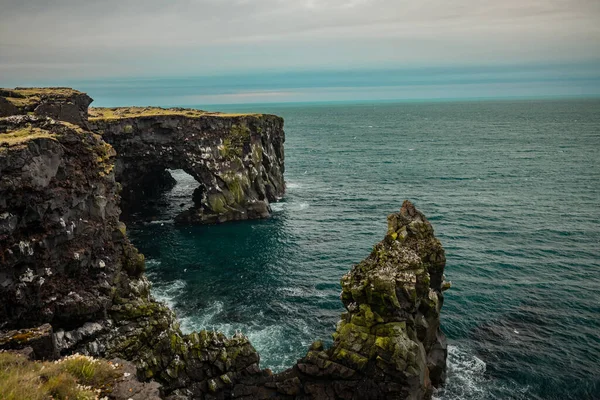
(66, 262)
(388, 344)
(64, 104)
(61, 244)
(237, 159)
(70, 280)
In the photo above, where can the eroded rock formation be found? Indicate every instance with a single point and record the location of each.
(66, 262)
(64, 104)
(70, 281)
(237, 159)
(388, 345)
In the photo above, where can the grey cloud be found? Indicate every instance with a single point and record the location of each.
(205, 36)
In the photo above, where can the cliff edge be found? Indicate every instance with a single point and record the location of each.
(237, 159)
(70, 280)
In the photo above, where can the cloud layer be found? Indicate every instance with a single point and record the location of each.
(82, 39)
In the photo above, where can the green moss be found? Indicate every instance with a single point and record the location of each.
(356, 360)
(228, 150)
(23, 135)
(123, 228)
(257, 153)
(23, 337)
(225, 379)
(217, 202)
(128, 129)
(237, 184)
(105, 153)
(133, 262)
(240, 133)
(28, 98)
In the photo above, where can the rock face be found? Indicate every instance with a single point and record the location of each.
(61, 240)
(70, 280)
(64, 104)
(388, 345)
(67, 267)
(238, 160)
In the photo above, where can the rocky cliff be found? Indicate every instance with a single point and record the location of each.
(64, 104)
(237, 159)
(70, 280)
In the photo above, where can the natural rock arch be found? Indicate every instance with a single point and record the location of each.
(237, 160)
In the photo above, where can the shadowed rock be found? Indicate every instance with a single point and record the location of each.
(63, 104)
(237, 159)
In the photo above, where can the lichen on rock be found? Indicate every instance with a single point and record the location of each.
(237, 159)
(63, 104)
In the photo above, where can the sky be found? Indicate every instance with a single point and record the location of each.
(327, 49)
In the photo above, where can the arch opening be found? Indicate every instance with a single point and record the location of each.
(160, 194)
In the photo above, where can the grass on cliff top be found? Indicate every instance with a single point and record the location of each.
(74, 377)
(44, 91)
(99, 113)
(22, 135)
(23, 97)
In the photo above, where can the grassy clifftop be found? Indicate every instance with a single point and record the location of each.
(31, 97)
(73, 377)
(101, 113)
(22, 135)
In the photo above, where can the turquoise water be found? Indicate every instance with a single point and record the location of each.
(512, 189)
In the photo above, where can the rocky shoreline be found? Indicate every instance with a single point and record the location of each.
(71, 282)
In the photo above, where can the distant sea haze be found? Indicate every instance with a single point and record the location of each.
(511, 188)
(424, 83)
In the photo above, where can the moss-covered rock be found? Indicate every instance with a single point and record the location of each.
(59, 103)
(237, 159)
(73, 274)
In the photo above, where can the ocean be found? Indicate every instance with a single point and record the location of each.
(511, 187)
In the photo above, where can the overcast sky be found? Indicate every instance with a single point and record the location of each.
(77, 39)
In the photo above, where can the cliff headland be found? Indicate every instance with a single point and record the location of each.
(72, 282)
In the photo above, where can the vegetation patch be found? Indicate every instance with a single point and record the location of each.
(29, 97)
(100, 113)
(24, 134)
(228, 150)
(76, 377)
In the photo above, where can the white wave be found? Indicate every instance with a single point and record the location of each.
(181, 176)
(162, 221)
(293, 206)
(294, 292)
(152, 263)
(293, 185)
(271, 341)
(205, 320)
(466, 377)
(299, 206)
(168, 292)
(277, 207)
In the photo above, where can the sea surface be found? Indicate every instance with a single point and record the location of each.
(512, 189)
